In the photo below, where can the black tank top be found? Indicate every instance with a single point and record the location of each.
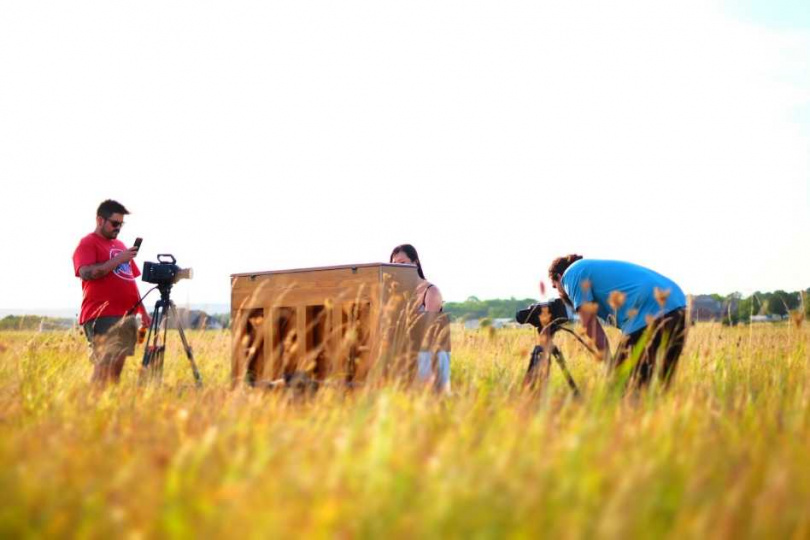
(424, 297)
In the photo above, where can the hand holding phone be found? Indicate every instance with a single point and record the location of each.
(137, 244)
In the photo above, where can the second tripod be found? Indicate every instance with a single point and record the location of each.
(155, 344)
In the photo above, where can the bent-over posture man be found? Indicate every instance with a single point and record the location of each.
(109, 293)
(648, 308)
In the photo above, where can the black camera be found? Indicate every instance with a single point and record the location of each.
(553, 312)
(165, 271)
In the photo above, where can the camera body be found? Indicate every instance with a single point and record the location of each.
(165, 271)
(553, 313)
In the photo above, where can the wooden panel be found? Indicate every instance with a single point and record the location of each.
(345, 267)
(249, 345)
(270, 297)
(299, 279)
(268, 373)
(284, 356)
(317, 340)
(325, 322)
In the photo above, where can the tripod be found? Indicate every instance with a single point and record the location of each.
(534, 373)
(155, 344)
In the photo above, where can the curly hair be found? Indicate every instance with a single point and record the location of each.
(560, 265)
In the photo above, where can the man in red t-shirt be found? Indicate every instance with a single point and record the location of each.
(109, 293)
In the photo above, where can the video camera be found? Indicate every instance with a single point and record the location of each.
(165, 272)
(553, 312)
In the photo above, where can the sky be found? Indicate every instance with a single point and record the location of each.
(492, 135)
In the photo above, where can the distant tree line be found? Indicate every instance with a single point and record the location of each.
(740, 308)
(38, 322)
(737, 308)
(474, 308)
(33, 322)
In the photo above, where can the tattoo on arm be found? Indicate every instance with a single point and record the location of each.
(93, 271)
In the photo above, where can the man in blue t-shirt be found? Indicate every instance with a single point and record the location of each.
(648, 308)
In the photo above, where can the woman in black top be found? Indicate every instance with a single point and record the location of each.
(428, 370)
(430, 294)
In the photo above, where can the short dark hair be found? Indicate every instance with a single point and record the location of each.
(110, 207)
(410, 251)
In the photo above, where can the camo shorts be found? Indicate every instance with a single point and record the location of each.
(111, 337)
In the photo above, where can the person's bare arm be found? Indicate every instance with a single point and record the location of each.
(90, 272)
(587, 318)
(433, 299)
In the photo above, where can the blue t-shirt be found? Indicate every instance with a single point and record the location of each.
(589, 280)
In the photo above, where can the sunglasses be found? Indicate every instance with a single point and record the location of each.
(115, 223)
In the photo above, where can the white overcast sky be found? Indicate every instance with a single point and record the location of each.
(492, 135)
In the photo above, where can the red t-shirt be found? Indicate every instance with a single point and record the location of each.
(112, 295)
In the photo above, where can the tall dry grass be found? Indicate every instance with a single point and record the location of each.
(722, 455)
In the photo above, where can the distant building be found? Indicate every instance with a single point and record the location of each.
(506, 322)
(704, 307)
(472, 324)
(196, 320)
(50, 325)
(767, 318)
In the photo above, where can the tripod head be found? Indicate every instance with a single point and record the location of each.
(165, 290)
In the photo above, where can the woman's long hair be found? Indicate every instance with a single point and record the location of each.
(410, 251)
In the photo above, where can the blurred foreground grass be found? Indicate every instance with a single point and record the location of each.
(723, 455)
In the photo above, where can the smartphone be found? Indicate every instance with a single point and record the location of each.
(137, 243)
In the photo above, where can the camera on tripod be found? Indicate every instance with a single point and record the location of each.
(552, 315)
(165, 271)
(542, 314)
(164, 274)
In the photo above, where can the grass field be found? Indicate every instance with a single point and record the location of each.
(724, 454)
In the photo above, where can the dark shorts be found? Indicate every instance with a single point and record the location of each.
(658, 345)
(111, 337)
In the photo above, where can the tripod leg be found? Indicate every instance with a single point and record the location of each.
(558, 356)
(147, 350)
(187, 347)
(537, 374)
(150, 345)
(152, 368)
(156, 368)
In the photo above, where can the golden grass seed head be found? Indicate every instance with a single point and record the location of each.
(661, 296)
(590, 308)
(616, 300)
(585, 285)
